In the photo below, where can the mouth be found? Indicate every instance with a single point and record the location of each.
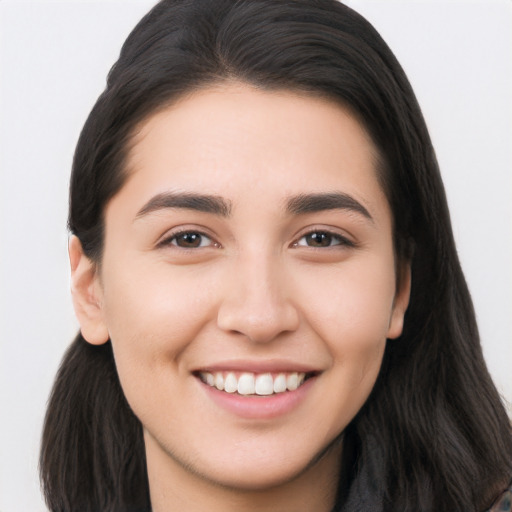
(254, 384)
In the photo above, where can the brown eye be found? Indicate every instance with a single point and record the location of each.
(321, 239)
(190, 240)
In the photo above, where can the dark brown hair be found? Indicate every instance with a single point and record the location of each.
(434, 435)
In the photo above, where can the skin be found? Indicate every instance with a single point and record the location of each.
(255, 291)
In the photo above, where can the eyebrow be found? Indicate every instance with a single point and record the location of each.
(296, 205)
(190, 201)
(311, 203)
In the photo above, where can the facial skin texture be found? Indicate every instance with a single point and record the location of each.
(255, 292)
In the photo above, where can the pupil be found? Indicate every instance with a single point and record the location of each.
(319, 239)
(189, 240)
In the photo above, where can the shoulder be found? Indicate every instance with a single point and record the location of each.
(503, 503)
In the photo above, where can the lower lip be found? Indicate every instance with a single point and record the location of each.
(259, 407)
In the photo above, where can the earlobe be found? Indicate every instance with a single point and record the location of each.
(400, 303)
(86, 294)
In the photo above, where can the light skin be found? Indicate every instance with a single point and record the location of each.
(251, 235)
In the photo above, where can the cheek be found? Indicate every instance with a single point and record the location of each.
(352, 316)
(153, 315)
(354, 305)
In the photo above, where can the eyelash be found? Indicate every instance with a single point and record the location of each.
(172, 239)
(340, 240)
(328, 235)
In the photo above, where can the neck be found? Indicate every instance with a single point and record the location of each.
(175, 487)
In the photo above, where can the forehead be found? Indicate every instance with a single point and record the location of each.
(234, 137)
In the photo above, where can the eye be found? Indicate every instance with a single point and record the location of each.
(320, 239)
(189, 240)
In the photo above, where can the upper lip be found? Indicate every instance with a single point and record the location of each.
(259, 366)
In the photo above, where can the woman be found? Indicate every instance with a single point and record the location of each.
(273, 315)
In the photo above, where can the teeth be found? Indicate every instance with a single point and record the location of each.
(247, 383)
(280, 383)
(292, 381)
(264, 384)
(230, 384)
(219, 381)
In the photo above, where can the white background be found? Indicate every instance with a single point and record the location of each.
(54, 58)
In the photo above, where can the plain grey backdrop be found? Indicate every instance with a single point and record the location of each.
(54, 58)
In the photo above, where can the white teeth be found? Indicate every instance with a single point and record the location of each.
(230, 384)
(219, 381)
(246, 384)
(264, 384)
(251, 384)
(292, 381)
(280, 383)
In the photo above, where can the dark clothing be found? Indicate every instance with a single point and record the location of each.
(503, 503)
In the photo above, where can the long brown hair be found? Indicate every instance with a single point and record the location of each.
(434, 435)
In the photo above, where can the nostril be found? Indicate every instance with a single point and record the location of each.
(258, 323)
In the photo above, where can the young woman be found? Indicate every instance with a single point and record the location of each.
(273, 315)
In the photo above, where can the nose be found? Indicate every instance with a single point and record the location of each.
(257, 301)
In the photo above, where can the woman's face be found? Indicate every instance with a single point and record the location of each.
(250, 250)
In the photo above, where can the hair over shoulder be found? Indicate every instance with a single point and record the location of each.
(433, 435)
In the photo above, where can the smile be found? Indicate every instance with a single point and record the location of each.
(247, 383)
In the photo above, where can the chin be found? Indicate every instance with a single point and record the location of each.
(260, 479)
(264, 474)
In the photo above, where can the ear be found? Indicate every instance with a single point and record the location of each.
(400, 303)
(87, 294)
